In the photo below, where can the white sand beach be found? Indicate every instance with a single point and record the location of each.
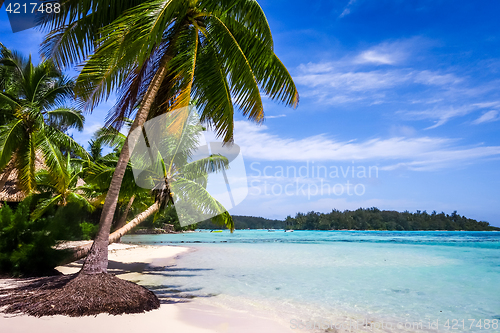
(130, 262)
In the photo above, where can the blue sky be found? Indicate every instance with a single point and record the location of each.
(408, 88)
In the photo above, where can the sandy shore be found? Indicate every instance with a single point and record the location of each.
(134, 263)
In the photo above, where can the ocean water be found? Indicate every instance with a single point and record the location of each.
(448, 280)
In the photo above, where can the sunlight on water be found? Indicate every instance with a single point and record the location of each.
(398, 276)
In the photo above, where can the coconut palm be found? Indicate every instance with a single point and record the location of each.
(175, 177)
(73, 32)
(176, 174)
(162, 53)
(63, 187)
(99, 171)
(35, 120)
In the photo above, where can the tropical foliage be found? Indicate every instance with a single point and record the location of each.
(26, 246)
(361, 219)
(375, 219)
(34, 118)
(159, 55)
(61, 186)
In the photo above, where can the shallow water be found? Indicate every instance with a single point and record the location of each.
(398, 277)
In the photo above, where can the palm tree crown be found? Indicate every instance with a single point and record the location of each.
(34, 117)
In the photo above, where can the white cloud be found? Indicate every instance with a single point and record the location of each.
(312, 68)
(432, 78)
(347, 9)
(487, 117)
(443, 114)
(278, 116)
(391, 52)
(488, 104)
(353, 78)
(91, 129)
(418, 153)
(447, 157)
(372, 56)
(351, 81)
(333, 78)
(401, 130)
(357, 80)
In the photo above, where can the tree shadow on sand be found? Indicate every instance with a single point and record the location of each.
(81, 295)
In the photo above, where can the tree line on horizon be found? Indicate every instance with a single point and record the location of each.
(362, 219)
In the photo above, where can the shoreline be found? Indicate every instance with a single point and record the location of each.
(144, 265)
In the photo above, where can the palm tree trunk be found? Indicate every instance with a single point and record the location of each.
(97, 260)
(123, 218)
(83, 251)
(115, 236)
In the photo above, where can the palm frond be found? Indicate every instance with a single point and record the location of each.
(25, 160)
(272, 76)
(81, 200)
(193, 201)
(68, 117)
(10, 136)
(74, 30)
(244, 87)
(109, 136)
(44, 205)
(204, 166)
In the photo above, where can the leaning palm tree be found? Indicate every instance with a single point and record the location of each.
(35, 121)
(163, 53)
(175, 177)
(176, 173)
(99, 170)
(159, 54)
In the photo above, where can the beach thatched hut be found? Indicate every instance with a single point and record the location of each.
(10, 191)
(9, 186)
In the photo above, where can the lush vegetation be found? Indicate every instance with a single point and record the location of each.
(362, 219)
(246, 222)
(375, 219)
(157, 57)
(26, 245)
(65, 186)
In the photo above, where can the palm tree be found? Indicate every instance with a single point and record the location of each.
(34, 119)
(174, 177)
(63, 187)
(99, 171)
(162, 53)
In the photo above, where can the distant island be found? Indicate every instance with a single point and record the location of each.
(361, 219)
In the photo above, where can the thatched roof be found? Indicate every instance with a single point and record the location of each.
(10, 191)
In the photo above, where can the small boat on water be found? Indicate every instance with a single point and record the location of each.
(216, 231)
(289, 230)
(270, 230)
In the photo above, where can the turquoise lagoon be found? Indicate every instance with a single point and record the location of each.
(451, 279)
